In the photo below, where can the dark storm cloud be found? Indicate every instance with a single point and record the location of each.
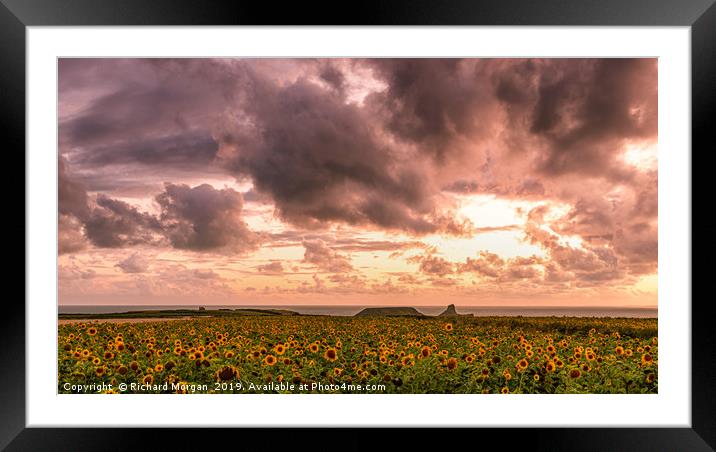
(109, 223)
(72, 195)
(184, 150)
(330, 74)
(203, 218)
(432, 102)
(114, 224)
(140, 98)
(199, 218)
(582, 110)
(552, 129)
(138, 113)
(322, 159)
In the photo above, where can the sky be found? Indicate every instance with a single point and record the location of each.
(358, 181)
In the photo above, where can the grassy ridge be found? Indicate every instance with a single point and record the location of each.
(180, 313)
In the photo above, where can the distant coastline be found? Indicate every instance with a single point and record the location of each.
(351, 310)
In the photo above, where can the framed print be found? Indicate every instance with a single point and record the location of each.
(454, 224)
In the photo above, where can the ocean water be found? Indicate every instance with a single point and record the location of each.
(349, 310)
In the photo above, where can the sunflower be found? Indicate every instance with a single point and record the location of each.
(619, 350)
(226, 373)
(505, 390)
(279, 349)
(448, 327)
(425, 352)
(331, 354)
(148, 379)
(270, 360)
(92, 331)
(647, 359)
(313, 347)
(536, 377)
(550, 366)
(451, 363)
(522, 364)
(574, 373)
(650, 378)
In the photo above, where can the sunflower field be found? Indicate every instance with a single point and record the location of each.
(321, 354)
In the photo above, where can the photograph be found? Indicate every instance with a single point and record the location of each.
(391, 225)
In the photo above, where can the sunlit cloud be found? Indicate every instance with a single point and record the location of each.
(366, 181)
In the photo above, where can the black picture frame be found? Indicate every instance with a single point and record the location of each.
(16, 15)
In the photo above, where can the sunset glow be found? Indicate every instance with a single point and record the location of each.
(373, 182)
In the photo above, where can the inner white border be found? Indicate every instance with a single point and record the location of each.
(671, 407)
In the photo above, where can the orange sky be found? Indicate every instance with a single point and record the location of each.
(388, 181)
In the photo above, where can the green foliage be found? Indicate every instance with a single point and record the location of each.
(241, 354)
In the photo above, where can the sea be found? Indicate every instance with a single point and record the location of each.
(350, 310)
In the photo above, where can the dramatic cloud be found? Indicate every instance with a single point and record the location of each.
(197, 218)
(203, 218)
(320, 255)
(114, 224)
(72, 195)
(321, 159)
(340, 160)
